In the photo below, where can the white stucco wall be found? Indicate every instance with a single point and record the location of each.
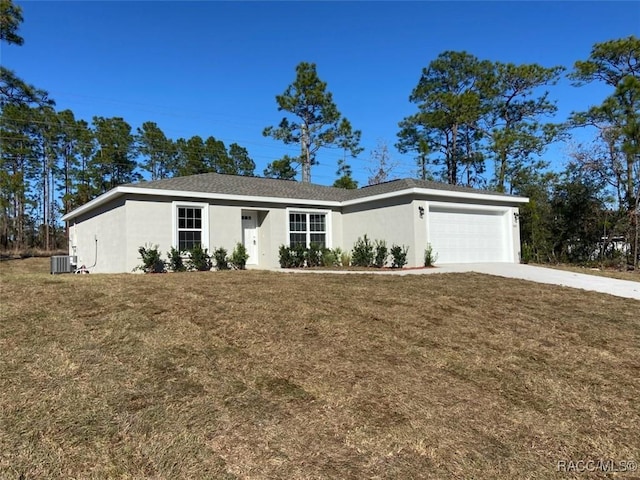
(148, 223)
(277, 236)
(225, 226)
(391, 220)
(336, 229)
(98, 238)
(265, 245)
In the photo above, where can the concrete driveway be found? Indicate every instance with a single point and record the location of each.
(612, 286)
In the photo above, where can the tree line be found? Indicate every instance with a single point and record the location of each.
(52, 163)
(477, 123)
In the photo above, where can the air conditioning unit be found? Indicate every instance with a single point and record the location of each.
(63, 263)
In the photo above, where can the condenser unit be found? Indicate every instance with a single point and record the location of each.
(63, 263)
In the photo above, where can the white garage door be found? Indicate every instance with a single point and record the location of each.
(467, 236)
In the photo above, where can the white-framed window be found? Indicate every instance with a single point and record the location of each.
(190, 225)
(305, 227)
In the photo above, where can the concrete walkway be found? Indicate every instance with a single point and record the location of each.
(596, 283)
(612, 286)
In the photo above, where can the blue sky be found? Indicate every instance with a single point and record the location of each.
(214, 68)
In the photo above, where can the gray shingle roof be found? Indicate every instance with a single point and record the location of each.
(252, 186)
(268, 187)
(406, 183)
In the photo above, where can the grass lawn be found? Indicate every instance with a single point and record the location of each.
(254, 375)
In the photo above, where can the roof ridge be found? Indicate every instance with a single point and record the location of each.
(235, 176)
(213, 182)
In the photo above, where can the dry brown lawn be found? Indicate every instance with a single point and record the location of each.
(264, 375)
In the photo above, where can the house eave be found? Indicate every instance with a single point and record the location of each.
(438, 193)
(96, 202)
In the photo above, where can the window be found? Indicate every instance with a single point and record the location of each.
(307, 228)
(190, 226)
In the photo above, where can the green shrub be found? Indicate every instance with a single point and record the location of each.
(299, 253)
(151, 259)
(199, 259)
(345, 259)
(381, 255)
(175, 260)
(292, 257)
(313, 255)
(363, 254)
(239, 257)
(285, 257)
(220, 258)
(430, 256)
(329, 258)
(399, 256)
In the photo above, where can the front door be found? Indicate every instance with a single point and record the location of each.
(250, 235)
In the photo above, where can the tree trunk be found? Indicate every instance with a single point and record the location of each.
(502, 172)
(453, 168)
(306, 171)
(45, 200)
(306, 158)
(636, 217)
(629, 186)
(66, 206)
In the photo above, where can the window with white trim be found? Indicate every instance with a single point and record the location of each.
(190, 224)
(189, 227)
(306, 228)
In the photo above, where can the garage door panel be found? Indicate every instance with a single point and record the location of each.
(465, 236)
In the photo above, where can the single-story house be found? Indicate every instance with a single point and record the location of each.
(461, 224)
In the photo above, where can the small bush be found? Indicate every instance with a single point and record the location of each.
(329, 258)
(175, 260)
(220, 258)
(313, 255)
(399, 256)
(381, 255)
(345, 259)
(296, 257)
(239, 257)
(199, 259)
(285, 257)
(151, 259)
(299, 254)
(430, 256)
(363, 253)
